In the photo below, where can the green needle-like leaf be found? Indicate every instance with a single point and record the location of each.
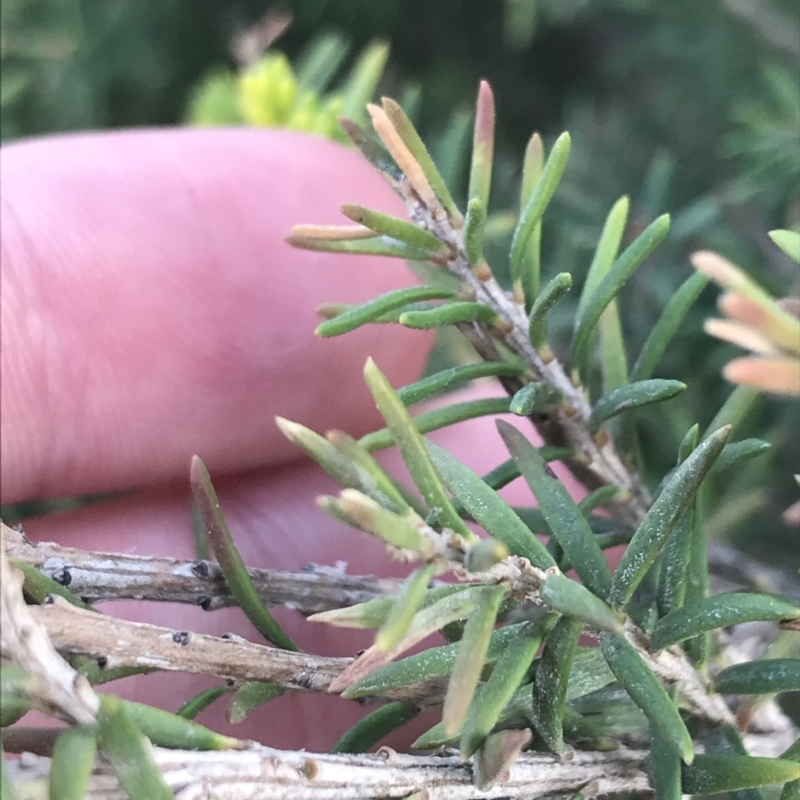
(450, 378)
(573, 599)
(201, 701)
(72, 763)
(320, 59)
(436, 419)
(231, 563)
(719, 611)
(663, 516)
(667, 326)
(375, 153)
(404, 608)
(610, 285)
(525, 284)
(535, 398)
(509, 671)
(738, 405)
(488, 509)
(369, 312)
(373, 727)
(474, 224)
(416, 146)
(665, 765)
(768, 676)
(637, 678)
(129, 753)
(613, 358)
(568, 524)
(435, 662)
(412, 447)
(739, 452)
(173, 731)
(673, 575)
(470, 659)
(633, 395)
(552, 678)
(399, 229)
(250, 696)
(449, 314)
(537, 204)
(711, 774)
(374, 613)
(553, 291)
(374, 246)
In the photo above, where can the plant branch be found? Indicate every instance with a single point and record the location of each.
(263, 773)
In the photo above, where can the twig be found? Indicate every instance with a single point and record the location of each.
(122, 643)
(55, 687)
(97, 577)
(263, 773)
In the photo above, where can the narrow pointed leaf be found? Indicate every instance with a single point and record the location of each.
(375, 153)
(414, 143)
(768, 676)
(498, 752)
(613, 358)
(665, 765)
(319, 61)
(449, 314)
(526, 281)
(361, 458)
(230, 561)
(537, 203)
(719, 611)
(488, 509)
(598, 498)
(412, 447)
(480, 176)
(711, 774)
(553, 291)
(725, 740)
(450, 608)
(470, 659)
(374, 246)
(369, 312)
(249, 696)
(473, 231)
(672, 578)
(788, 241)
(343, 467)
(404, 608)
(201, 701)
(435, 662)
(173, 731)
(663, 516)
(450, 378)
(374, 613)
(571, 598)
(72, 763)
(634, 395)
(606, 251)
(637, 678)
(129, 753)
(399, 229)
(610, 285)
(394, 529)
(667, 326)
(373, 727)
(689, 443)
(509, 671)
(535, 398)
(552, 678)
(738, 452)
(436, 419)
(568, 524)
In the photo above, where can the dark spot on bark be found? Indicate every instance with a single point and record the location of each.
(200, 569)
(180, 637)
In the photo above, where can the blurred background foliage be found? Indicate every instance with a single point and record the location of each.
(689, 107)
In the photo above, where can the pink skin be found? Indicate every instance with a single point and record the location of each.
(151, 310)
